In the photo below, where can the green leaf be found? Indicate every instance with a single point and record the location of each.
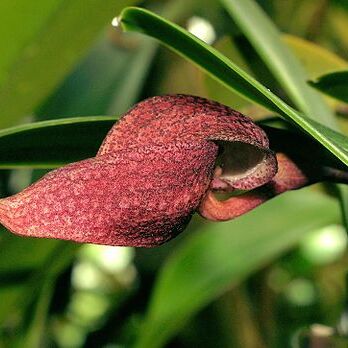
(50, 144)
(315, 59)
(333, 84)
(216, 90)
(187, 45)
(221, 255)
(266, 39)
(40, 43)
(223, 70)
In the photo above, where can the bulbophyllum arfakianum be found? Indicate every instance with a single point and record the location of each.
(164, 160)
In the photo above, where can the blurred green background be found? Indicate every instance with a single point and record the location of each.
(276, 277)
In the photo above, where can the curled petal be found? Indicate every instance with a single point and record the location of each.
(288, 177)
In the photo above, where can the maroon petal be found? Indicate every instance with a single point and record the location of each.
(181, 118)
(151, 174)
(136, 198)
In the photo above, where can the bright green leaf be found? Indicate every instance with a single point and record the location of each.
(225, 71)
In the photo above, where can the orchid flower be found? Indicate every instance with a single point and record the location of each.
(163, 161)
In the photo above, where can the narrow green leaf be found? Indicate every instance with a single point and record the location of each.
(223, 70)
(216, 90)
(221, 255)
(50, 144)
(266, 39)
(187, 45)
(334, 84)
(52, 36)
(315, 59)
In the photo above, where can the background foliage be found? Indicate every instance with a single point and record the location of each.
(275, 277)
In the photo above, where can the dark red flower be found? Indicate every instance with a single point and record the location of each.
(155, 168)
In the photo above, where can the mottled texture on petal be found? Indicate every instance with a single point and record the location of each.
(150, 175)
(181, 118)
(138, 198)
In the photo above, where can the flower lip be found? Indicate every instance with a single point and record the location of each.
(245, 166)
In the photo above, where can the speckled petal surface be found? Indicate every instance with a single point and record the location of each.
(150, 175)
(115, 199)
(181, 118)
